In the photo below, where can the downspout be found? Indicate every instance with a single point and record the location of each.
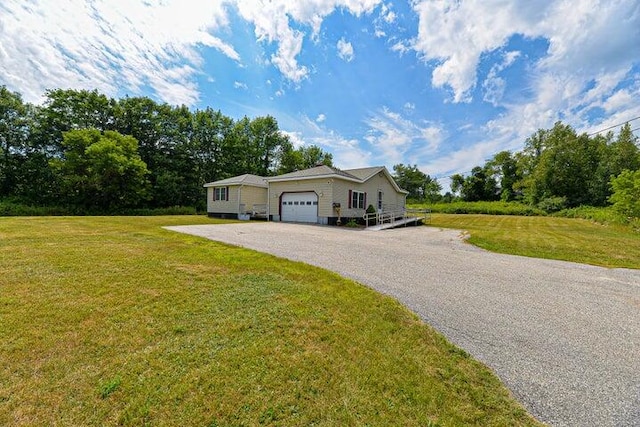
(268, 201)
(239, 199)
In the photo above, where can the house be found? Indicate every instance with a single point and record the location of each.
(238, 197)
(321, 195)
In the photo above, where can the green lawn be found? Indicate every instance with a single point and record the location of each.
(115, 321)
(566, 239)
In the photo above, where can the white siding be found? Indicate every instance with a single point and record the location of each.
(322, 187)
(238, 195)
(250, 196)
(379, 182)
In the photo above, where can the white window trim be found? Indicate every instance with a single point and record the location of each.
(219, 194)
(357, 199)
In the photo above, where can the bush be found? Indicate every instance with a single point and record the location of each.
(626, 193)
(173, 210)
(553, 204)
(486, 208)
(352, 223)
(602, 215)
(12, 208)
(9, 208)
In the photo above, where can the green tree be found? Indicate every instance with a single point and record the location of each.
(561, 164)
(504, 169)
(211, 129)
(478, 186)
(457, 182)
(14, 132)
(303, 157)
(419, 185)
(69, 109)
(624, 153)
(101, 170)
(626, 193)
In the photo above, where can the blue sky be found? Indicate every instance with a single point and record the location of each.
(441, 84)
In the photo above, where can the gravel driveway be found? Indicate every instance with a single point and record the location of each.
(563, 337)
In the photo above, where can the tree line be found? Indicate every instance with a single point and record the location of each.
(558, 168)
(85, 151)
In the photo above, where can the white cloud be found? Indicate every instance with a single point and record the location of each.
(385, 19)
(240, 85)
(398, 139)
(587, 66)
(321, 118)
(453, 36)
(409, 106)
(401, 47)
(296, 138)
(109, 45)
(347, 153)
(345, 50)
(620, 99)
(273, 23)
(494, 85)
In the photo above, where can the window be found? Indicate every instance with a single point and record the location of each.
(220, 193)
(357, 200)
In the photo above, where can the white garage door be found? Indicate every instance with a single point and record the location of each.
(300, 207)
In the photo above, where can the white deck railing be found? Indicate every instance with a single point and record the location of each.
(393, 216)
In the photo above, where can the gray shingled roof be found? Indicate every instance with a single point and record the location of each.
(358, 175)
(365, 173)
(246, 179)
(318, 171)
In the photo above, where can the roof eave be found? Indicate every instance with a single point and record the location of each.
(306, 178)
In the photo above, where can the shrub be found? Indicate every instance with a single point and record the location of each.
(626, 193)
(553, 204)
(9, 208)
(602, 215)
(352, 223)
(12, 208)
(486, 208)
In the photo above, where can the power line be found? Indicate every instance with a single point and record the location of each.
(438, 178)
(615, 126)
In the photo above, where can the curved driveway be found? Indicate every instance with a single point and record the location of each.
(563, 337)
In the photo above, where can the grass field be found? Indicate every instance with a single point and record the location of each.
(115, 321)
(566, 239)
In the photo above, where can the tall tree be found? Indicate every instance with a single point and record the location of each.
(14, 132)
(419, 185)
(101, 170)
(303, 157)
(624, 153)
(626, 193)
(69, 109)
(564, 167)
(480, 185)
(504, 168)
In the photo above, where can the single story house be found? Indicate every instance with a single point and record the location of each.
(238, 197)
(320, 195)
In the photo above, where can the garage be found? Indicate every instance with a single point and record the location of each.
(299, 207)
